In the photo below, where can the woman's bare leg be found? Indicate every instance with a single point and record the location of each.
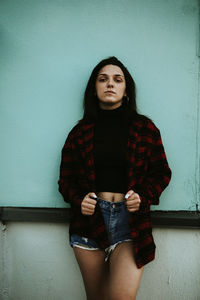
(124, 275)
(94, 271)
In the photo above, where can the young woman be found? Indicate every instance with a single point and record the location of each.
(113, 168)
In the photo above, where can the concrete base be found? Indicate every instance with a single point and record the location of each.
(37, 263)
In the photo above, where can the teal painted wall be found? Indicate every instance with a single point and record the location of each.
(47, 51)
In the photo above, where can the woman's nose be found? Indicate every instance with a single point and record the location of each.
(110, 83)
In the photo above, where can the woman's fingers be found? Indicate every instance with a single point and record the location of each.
(92, 196)
(133, 205)
(129, 193)
(132, 201)
(88, 204)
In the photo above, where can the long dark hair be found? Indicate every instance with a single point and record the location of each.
(90, 103)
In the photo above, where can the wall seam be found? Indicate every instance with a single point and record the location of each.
(197, 171)
(4, 293)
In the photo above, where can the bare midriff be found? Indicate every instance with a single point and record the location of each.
(112, 197)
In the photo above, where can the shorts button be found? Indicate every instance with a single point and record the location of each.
(114, 205)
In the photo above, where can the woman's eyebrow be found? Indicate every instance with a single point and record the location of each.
(104, 74)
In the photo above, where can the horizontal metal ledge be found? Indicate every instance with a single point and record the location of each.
(188, 219)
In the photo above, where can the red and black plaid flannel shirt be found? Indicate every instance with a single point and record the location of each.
(148, 174)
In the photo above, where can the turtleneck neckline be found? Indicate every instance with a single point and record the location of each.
(111, 112)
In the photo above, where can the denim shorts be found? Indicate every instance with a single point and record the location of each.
(116, 218)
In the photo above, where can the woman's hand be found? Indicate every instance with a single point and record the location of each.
(88, 204)
(132, 201)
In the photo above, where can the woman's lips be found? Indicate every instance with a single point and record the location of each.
(109, 92)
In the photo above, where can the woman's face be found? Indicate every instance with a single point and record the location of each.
(110, 87)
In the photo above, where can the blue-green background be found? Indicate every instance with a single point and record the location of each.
(47, 51)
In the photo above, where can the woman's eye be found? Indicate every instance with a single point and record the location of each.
(102, 79)
(118, 80)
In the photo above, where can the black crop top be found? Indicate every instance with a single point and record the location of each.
(110, 140)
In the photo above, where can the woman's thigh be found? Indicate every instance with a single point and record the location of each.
(94, 271)
(124, 275)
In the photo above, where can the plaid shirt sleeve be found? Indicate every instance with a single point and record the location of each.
(69, 172)
(158, 173)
